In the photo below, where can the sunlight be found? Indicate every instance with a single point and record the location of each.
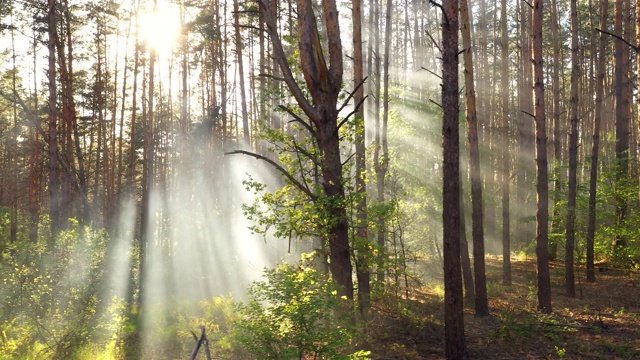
(160, 28)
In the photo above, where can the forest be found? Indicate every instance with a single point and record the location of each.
(319, 179)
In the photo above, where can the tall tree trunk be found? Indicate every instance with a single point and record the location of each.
(382, 162)
(131, 171)
(323, 82)
(505, 160)
(243, 96)
(525, 137)
(637, 54)
(34, 157)
(595, 150)
(481, 302)
(573, 157)
(13, 145)
(557, 94)
(146, 223)
(622, 96)
(542, 214)
(455, 344)
(362, 240)
(54, 180)
(376, 79)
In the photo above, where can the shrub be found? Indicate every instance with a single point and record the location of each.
(295, 314)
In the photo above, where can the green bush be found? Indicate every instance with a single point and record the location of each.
(295, 314)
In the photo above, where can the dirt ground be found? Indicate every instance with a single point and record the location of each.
(602, 322)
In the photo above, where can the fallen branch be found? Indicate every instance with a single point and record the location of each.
(199, 342)
(575, 326)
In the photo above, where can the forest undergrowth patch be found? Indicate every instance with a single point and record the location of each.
(602, 322)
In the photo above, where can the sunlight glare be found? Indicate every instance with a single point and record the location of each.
(161, 28)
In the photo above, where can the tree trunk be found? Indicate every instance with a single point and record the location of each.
(324, 83)
(362, 240)
(13, 146)
(542, 187)
(146, 223)
(505, 160)
(595, 150)
(481, 302)
(54, 180)
(557, 94)
(524, 171)
(35, 169)
(465, 260)
(243, 96)
(622, 95)
(573, 157)
(455, 347)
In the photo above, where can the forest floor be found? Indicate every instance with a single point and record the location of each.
(601, 322)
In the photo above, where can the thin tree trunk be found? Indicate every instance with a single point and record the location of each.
(542, 215)
(465, 260)
(54, 180)
(573, 157)
(361, 242)
(382, 163)
(243, 97)
(134, 110)
(595, 150)
(622, 96)
(35, 169)
(481, 302)
(13, 146)
(505, 160)
(146, 222)
(525, 141)
(556, 225)
(455, 344)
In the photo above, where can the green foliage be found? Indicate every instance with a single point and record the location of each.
(294, 314)
(173, 327)
(608, 228)
(50, 300)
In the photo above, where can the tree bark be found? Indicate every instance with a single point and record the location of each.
(573, 157)
(243, 96)
(455, 344)
(54, 180)
(542, 187)
(362, 238)
(595, 150)
(622, 95)
(557, 94)
(465, 260)
(525, 169)
(505, 160)
(481, 302)
(323, 82)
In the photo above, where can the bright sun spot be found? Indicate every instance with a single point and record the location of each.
(160, 29)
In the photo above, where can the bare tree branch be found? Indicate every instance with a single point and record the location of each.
(635, 48)
(352, 94)
(349, 158)
(353, 112)
(528, 113)
(435, 43)
(298, 119)
(432, 101)
(431, 72)
(282, 170)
